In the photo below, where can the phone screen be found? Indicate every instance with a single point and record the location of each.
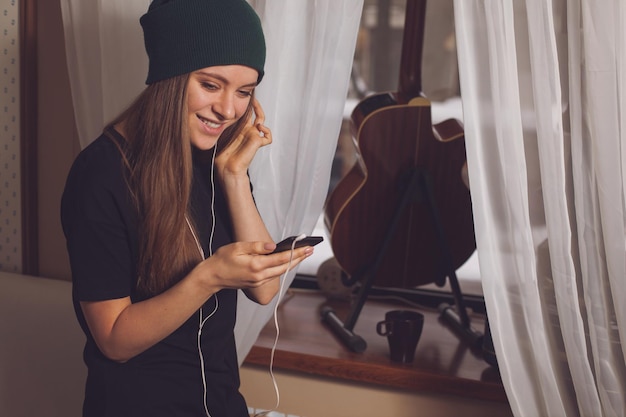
(285, 244)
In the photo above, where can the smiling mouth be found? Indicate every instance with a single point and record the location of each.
(209, 123)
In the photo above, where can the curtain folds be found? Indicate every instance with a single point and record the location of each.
(309, 58)
(106, 60)
(543, 93)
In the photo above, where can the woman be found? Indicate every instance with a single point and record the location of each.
(161, 224)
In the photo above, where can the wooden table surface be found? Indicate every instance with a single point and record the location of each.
(443, 363)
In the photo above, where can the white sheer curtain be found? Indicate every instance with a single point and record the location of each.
(309, 58)
(310, 48)
(543, 96)
(106, 60)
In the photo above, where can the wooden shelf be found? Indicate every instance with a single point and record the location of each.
(443, 363)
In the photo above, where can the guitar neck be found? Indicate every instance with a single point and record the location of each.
(410, 81)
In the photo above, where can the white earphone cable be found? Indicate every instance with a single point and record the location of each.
(202, 320)
(276, 326)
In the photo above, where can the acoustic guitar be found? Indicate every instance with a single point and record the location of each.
(394, 138)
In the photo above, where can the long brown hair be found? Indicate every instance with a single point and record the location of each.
(159, 161)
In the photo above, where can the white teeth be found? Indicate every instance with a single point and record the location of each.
(209, 123)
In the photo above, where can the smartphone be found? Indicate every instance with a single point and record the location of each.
(285, 244)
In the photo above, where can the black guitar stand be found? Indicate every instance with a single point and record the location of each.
(418, 189)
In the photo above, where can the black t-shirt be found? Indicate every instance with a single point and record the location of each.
(100, 224)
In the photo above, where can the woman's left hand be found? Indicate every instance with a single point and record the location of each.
(236, 158)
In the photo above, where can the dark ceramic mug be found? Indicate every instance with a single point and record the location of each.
(403, 329)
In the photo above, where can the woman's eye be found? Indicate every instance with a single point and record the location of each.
(209, 86)
(245, 93)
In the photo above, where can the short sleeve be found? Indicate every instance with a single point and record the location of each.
(98, 223)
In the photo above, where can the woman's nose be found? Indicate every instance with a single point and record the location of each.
(225, 107)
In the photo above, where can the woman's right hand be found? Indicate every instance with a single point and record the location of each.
(247, 265)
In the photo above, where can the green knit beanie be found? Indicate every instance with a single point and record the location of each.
(182, 36)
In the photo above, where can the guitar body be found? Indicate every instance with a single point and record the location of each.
(393, 138)
(395, 143)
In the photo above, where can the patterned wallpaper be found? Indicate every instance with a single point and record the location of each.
(10, 216)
